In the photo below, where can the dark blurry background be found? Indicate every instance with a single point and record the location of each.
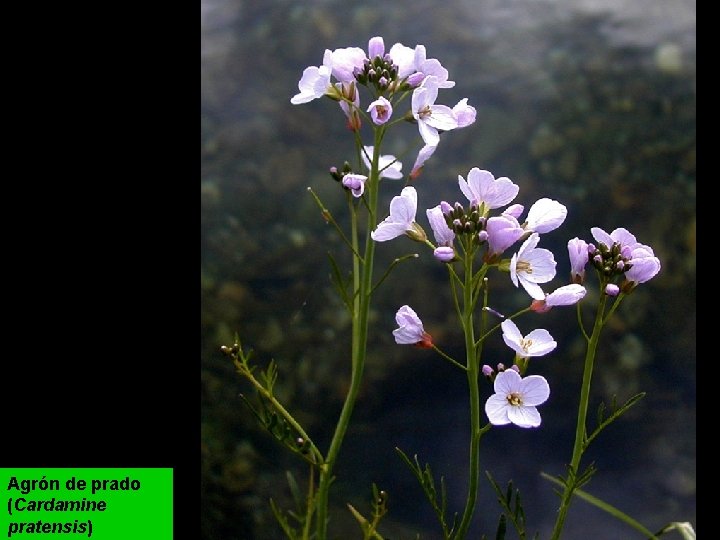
(588, 102)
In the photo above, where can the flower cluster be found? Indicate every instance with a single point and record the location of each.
(389, 76)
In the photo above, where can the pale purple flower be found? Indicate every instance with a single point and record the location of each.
(532, 265)
(410, 329)
(388, 166)
(482, 188)
(645, 265)
(539, 342)
(502, 232)
(578, 251)
(545, 215)
(567, 295)
(313, 84)
(431, 67)
(380, 110)
(464, 113)
(431, 117)
(402, 216)
(443, 234)
(620, 236)
(516, 398)
(423, 155)
(355, 183)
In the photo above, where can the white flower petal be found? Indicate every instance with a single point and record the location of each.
(525, 417)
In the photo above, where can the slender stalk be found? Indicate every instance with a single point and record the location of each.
(473, 371)
(362, 288)
(580, 430)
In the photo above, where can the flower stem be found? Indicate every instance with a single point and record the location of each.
(580, 431)
(473, 370)
(362, 294)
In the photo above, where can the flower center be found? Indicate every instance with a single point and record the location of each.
(524, 266)
(526, 344)
(514, 399)
(425, 112)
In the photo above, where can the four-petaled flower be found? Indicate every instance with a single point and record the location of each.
(532, 265)
(410, 329)
(482, 188)
(401, 219)
(516, 399)
(355, 183)
(380, 110)
(539, 342)
(431, 117)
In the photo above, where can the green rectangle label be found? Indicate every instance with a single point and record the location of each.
(102, 503)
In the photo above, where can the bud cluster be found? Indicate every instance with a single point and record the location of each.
(610, 261)
(379, 72)
(463, 222)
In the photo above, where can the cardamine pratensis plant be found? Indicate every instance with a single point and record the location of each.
(474, 241)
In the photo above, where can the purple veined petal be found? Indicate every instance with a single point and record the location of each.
(503, 231)
(442, 117)
(405, 336)
(525, 417)
(496, 409)
(387, 230)
(429, 134)
(376, 47)
(542, 262)
(344, 62)
(404, 58)
(406, 315)
(443, 234)
(514, 210)
(535, 390)
(511, 331)
(404, 207)
(543, 342)
(546, 215)
(623, 237)
(507, 382)
(566, 295)
(643, 269)
(601, 236)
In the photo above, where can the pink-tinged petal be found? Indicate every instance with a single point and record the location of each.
(546, 215)
(443, 234)
(566, 295)
(444, 253)
(507, 382)
(623, 237)
(641, 251)
(376, 47)
(387, 230)
(503, 231)
(514, 210)
(525, 417)
(601, 236)
(496, 409)
(535, 390)
(464, 113)
(344, 62)
(643, 269)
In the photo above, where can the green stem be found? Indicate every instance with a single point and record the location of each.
(473, 370)
(580, 430)
(362, 288)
